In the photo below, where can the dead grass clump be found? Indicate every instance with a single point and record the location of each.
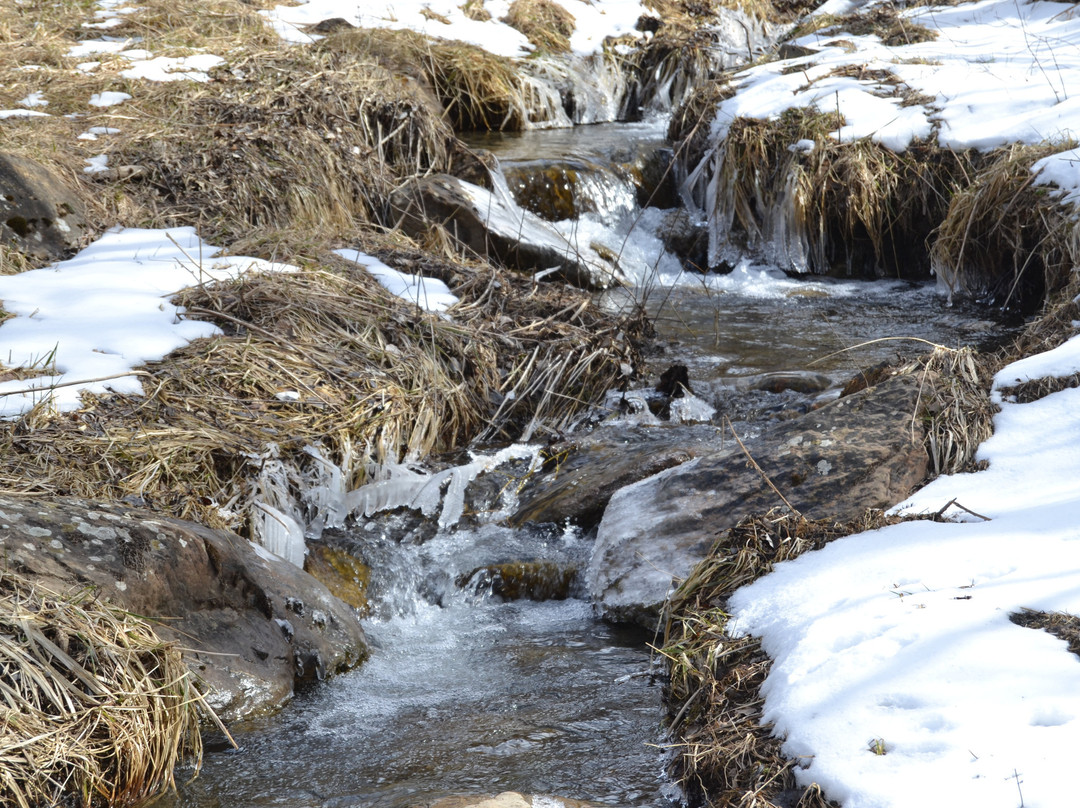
(546, 24)
(670, 67)
(96, 710)
(852, 208)
(1062, 625)
(884, 21)
(955, 406)
(474, 10)
(477, 89)
(375, 380)
(1005, 239)
(726, 756)
(290, 138)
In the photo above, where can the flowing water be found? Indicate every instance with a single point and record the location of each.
(466, 693)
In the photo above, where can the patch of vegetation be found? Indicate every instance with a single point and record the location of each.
(726, 755)
(1062, 625)
(1005, 239)
(97, 710)
(546, 24)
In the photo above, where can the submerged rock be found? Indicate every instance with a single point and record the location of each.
(857, 452)
(253, 625)
(522, 580)
(492, 227)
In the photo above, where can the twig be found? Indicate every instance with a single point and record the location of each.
(759, 470)
(46, 388)
(952, 502)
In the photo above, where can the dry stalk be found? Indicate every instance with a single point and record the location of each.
(95, 710)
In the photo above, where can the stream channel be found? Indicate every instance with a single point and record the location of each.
(467, 694)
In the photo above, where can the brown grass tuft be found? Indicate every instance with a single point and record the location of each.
(846, 208)
(546, 24)
(1005, 239)
(96, 710)
(725, 754)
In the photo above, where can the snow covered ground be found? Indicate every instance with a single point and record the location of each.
(996, 72)
(88, 322)
(900, 639)
(594, 21)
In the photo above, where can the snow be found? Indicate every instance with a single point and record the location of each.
(999, 72)
(90, 321)
(430, 294)
(594, 21)
(902, 635)
(108, 99)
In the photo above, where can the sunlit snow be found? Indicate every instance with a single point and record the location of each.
(902, 636)
(88, 322)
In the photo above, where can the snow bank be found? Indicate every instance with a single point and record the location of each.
(903, 635)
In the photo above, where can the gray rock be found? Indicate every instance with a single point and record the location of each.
(580, 478)
(494, 228)
(254, 626)
(862, 451)
(39, 215)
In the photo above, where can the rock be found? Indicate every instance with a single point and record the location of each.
(800, 381)
(580, 478)
(507, 799)
(345, 575)
(39, 215)
(855, 453)
(522, 580)
(255, 625)
(687, 238)
(496, 229)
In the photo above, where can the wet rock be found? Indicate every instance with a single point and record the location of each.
(857, 452)
(507, 799)
(490, 227)
(799, 381)
(687, 238)
(256, 626)
(39, 215)
(521, 580)
(579, 478)
(345, 575)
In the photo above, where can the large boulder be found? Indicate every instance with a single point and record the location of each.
(254, 626)
(491, 226)
(39, 214)
(862, 451)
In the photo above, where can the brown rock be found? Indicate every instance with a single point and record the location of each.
(346, 576)
(254, 625)
(39, 214)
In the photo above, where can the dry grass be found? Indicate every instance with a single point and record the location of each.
(94, 709)
(1004, 239)
(1062, 625)
(956, 412)
(477, 89)
(726, 755)
(546, 24)
(378, 380)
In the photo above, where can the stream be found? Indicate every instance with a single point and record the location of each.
(466, 693)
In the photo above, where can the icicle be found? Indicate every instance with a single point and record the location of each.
(282, 535)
